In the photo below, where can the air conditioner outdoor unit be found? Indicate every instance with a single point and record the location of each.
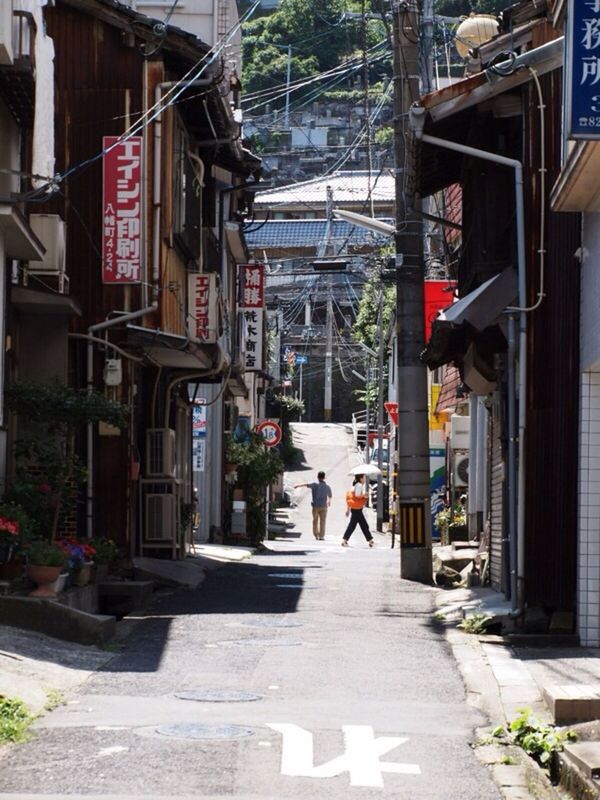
(461, 471)
(159, 520)
(160, 452)
(459, 432)
(50, 229)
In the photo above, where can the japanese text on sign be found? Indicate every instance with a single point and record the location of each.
(202, 322)
(253, 315)
(583, 65)
(122, 210)
(254, 295)
(253, 337)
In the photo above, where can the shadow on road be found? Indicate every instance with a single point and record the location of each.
(229, 590)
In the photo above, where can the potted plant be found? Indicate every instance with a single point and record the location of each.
(9, 537)
(79, 556)
(45, 562)
(105, 552)
(16, 527)
(258, 467)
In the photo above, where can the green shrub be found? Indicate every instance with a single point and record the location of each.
(15, 719)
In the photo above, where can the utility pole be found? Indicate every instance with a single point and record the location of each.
(301, 387)
(380, 417)
(323, 250)
(368, 407)
(413, 494)
(328, 357)
(287, 94)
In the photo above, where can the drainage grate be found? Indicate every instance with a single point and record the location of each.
(218, 696)
(192, 730)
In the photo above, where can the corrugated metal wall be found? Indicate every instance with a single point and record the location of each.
(496, 484)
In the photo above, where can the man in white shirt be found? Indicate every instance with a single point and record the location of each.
(321, 500)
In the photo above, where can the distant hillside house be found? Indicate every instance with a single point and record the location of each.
(352, 191)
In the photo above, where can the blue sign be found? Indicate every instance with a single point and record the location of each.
(583, 70)
(301, 359)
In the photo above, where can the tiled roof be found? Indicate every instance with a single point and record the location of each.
(309, 233)
(348, 187)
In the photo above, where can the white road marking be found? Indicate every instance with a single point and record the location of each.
(112, 751)
(111, 728)
(360, 759)
(273, 687)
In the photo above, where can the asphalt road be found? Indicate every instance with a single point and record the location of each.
(356, 694)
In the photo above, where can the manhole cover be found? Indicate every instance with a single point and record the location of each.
(218, 696)
(271, 623)
(191, 730)
(260, 643)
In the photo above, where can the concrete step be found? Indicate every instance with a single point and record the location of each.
(169, 573)
(572, 702)
(586, 756)
(578, 770)
(57, 620)
(122, 597)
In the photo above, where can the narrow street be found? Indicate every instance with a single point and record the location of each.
(349, 688)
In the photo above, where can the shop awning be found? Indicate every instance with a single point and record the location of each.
(32, 301)
(20, 241)
(172, 351)
(481, 307)
(469, 327)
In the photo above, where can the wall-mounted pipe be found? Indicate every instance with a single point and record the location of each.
(125, 318)
(517, 167)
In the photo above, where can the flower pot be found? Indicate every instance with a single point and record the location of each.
(6, 551)
(45, 578)
(83, 575)
(11, 570)
(60, 584)
(458, 533)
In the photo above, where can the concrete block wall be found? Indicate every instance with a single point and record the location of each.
(588, 591)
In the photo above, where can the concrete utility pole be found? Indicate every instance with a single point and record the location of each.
(286, 120)
(328, 357)
(323, 250)
(380, 416)
(413, 494)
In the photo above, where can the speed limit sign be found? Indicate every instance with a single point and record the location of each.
(270, 431)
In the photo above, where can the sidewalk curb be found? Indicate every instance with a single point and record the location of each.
(522, 779)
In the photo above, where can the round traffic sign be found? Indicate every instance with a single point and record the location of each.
(270, 431)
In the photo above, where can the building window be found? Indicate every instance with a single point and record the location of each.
(187, 198)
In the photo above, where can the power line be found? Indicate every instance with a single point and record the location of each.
(148, 117)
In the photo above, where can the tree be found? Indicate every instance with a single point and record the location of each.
(462, 8)
(321, 36)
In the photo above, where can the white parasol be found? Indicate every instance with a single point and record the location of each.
(370, 470)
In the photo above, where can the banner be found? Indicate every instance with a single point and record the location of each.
(122, 211)
(583, 70)
(202, 307)
(253, 301)
(253, 338)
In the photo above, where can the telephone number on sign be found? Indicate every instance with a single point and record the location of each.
(589, 122)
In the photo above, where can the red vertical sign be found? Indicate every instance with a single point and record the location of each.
(122, 210)
(254, 286)
(438, 295)
(253, 302)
